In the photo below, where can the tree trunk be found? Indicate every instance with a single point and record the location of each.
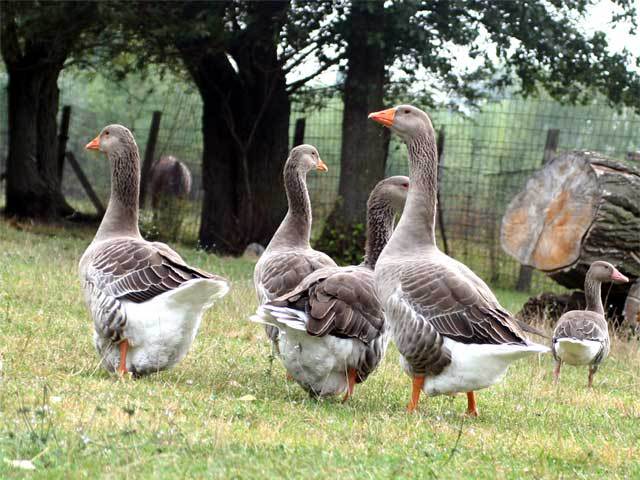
(579, 208)
(364, 145)
(245, 126)
(244, 199)
(33, 186)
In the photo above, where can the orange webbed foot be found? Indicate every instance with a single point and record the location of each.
(472, 407)
(351, 383)
(418, 383)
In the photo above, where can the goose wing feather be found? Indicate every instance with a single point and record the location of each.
(138, 270)
(282, 272)
(339, 301)
(457, 306)
(581, 325)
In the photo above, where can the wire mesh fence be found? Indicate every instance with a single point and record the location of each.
(488, 156)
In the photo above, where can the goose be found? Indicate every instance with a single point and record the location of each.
(581, 337)
(452, 333)
(145, 301)
(333, 330)
(289, 257)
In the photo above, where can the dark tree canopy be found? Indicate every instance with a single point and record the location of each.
(238, 54)
(524, 46)
(241, 56)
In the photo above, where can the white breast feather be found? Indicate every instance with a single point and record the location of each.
(317, 363)
(160, 331)
(577, 352)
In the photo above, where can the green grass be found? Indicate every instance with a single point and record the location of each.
(227, 412)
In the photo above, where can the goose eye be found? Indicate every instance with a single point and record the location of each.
(107, 132)
(407, 111)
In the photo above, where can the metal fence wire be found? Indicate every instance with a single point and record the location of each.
(488, 156)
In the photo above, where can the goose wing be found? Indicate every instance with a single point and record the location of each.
(138, 270)
(282, 272)
(338, 301)
(582, 325)
(452, 302)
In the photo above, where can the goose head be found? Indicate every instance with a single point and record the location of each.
(391, 191)
(306, 158)
(113, 139)
(605, 272)
(405, 120)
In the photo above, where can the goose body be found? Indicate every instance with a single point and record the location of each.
(452, 333)
(318, 350)
(332, 328)
(146, 302)
(581, 337)
(289, 258)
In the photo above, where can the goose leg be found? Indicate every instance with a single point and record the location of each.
(418, 383)
(124, 346)
(556, 372)
(472, 407)
(351, 379)
(592, 370)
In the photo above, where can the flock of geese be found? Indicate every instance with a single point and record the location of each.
(329, 325)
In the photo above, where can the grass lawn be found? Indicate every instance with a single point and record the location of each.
(227, 411)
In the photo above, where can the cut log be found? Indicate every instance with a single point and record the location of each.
(580, 207)
(632, 307)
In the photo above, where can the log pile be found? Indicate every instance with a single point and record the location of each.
(578, 208)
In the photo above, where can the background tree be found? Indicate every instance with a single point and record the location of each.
(37, 39)
(239, 55)
(522, 46)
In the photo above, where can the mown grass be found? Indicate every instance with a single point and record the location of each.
(227, 412)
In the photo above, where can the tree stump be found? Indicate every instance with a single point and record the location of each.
(632, 307)
(580, 207)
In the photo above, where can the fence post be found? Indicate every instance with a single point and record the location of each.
(551, 145)
(440, 149)
(149, 154)
(63, 136)
(298, 133)
(84, 181)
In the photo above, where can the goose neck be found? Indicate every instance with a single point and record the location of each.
(121, 217)
(593, 295)
(295, 229)
(417, 225)
(380, 219)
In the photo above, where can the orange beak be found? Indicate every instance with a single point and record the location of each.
(322, 167)
(93, 144)
(384, 117)
(618, 277)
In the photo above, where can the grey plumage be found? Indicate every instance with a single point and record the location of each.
(586, 330)
(342, 301)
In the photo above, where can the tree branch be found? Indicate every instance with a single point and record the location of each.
(294, 86)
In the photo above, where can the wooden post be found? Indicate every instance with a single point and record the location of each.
(440, 149)
(550, 147)
(149, 154)
(84, 181)
(298, 133)
(63, 136)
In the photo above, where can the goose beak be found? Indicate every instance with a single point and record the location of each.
(384, 117)
(617, 277)
(93, 144)
(322, 167)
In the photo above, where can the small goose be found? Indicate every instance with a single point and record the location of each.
(581, 337)
(146, 302)
(332, 328)
(289, 257)
(452, 334)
